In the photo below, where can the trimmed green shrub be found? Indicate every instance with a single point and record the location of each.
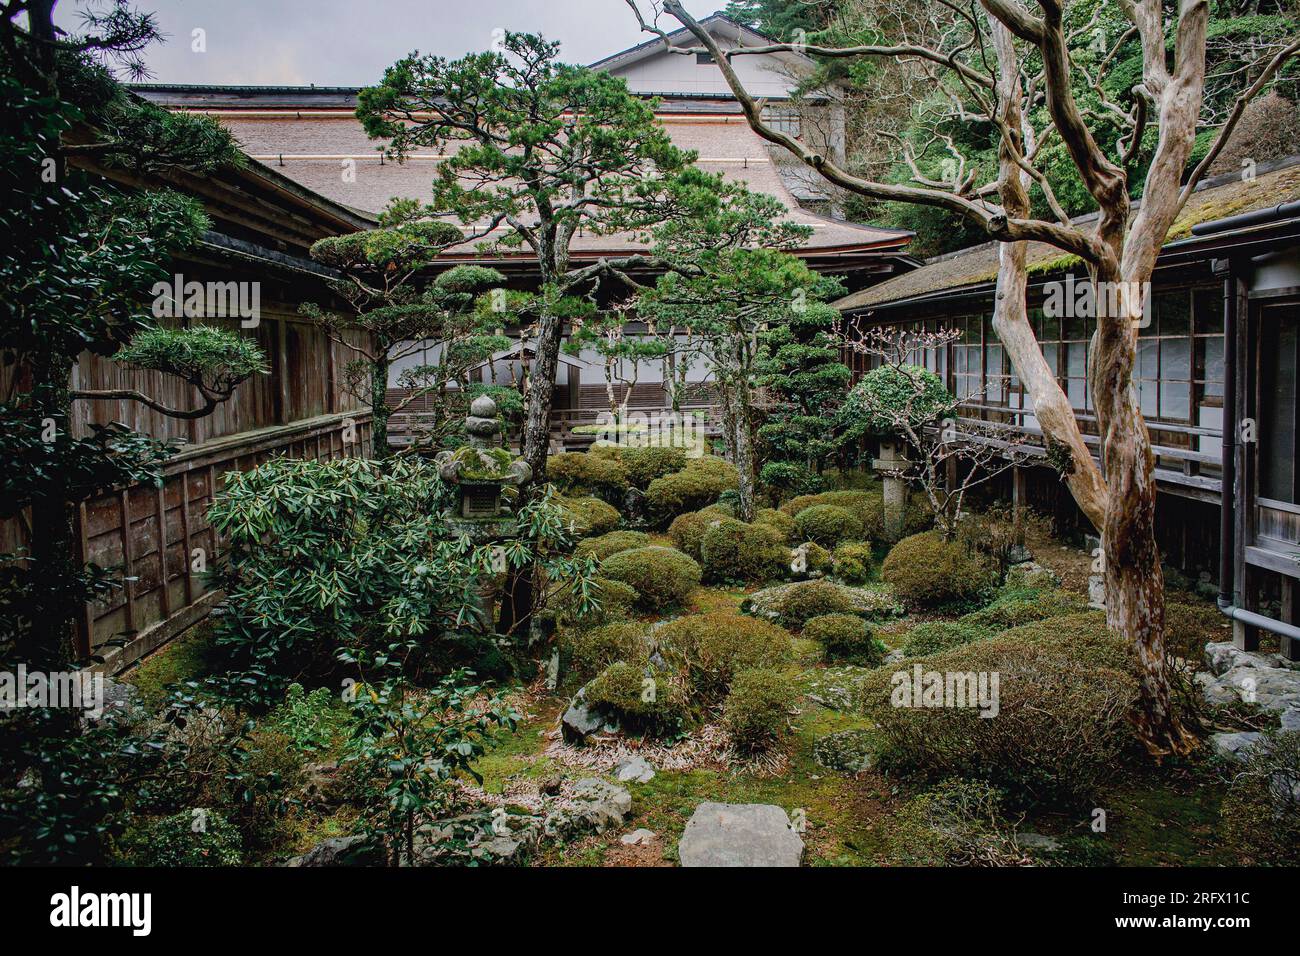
(882, 396)
(589, 516)
(846, 637)
(808, 599)
(700, 483)
(585, 473)
(927, 571)
(828, 525)
(853, 561)
(1260, 816)
(642, 702)
(199, 837)
(585, 653)
(1065, 688)
(662, 577)
(1189, 627)
(687, 531)
(612, 543)
(712, 648)
(646, 464)
(1014, 607)
(734, 551)
(757, 710)
(779, 520)
(935, 636)
(859, 502)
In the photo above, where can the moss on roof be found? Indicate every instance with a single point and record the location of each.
(978, 265)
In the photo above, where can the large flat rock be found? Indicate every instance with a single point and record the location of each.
(739, 834)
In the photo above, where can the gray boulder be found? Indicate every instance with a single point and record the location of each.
(634, 769)
(1234, 746)
(739, 834)
(338, 851)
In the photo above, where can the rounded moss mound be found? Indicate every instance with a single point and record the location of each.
(580, 473)
(585, 653)
(846, 637)
(662, 577)
(935, 636)
(828, 525)
(712, 648)
(737, 552)
(859, 502)
(929, 572)
(700, 483)
(589, 516)
(808, 599)
(778, 520)
(641, 700)
(1014, 607)
(757, 711)
(646, 464)
(612, 543)
(687, 531)
(1061, 691)
(853, 561)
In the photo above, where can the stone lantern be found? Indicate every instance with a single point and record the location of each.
(892, 466)
(481, 473)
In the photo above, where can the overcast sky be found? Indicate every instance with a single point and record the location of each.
(350, 42)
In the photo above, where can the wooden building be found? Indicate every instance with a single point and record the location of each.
(311, 134)
(262, 226)
(1216, 367)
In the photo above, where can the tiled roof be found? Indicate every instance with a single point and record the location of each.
(312, 148)
(977, 266)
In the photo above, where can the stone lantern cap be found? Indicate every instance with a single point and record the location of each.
(483, 461)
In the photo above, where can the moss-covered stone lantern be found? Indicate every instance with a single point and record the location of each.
(482, 473)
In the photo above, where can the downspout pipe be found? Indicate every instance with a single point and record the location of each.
(1227, 600)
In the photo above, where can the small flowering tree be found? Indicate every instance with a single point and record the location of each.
(909, 402)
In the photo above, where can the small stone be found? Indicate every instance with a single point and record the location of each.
(1234, 746)
(634, 769)
(638, 837)
(338, 851)
(1038, 841)
(739, 834)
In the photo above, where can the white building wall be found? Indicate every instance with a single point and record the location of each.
(665, 72)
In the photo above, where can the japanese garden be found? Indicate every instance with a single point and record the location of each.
(823, 434)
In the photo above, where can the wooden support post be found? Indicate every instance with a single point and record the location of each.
(1290, 647)
(85, 636)
(128, 552)
(162, 550)
(1017, 493)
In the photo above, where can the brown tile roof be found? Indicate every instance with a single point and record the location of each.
(312, 149)
(977, 266)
